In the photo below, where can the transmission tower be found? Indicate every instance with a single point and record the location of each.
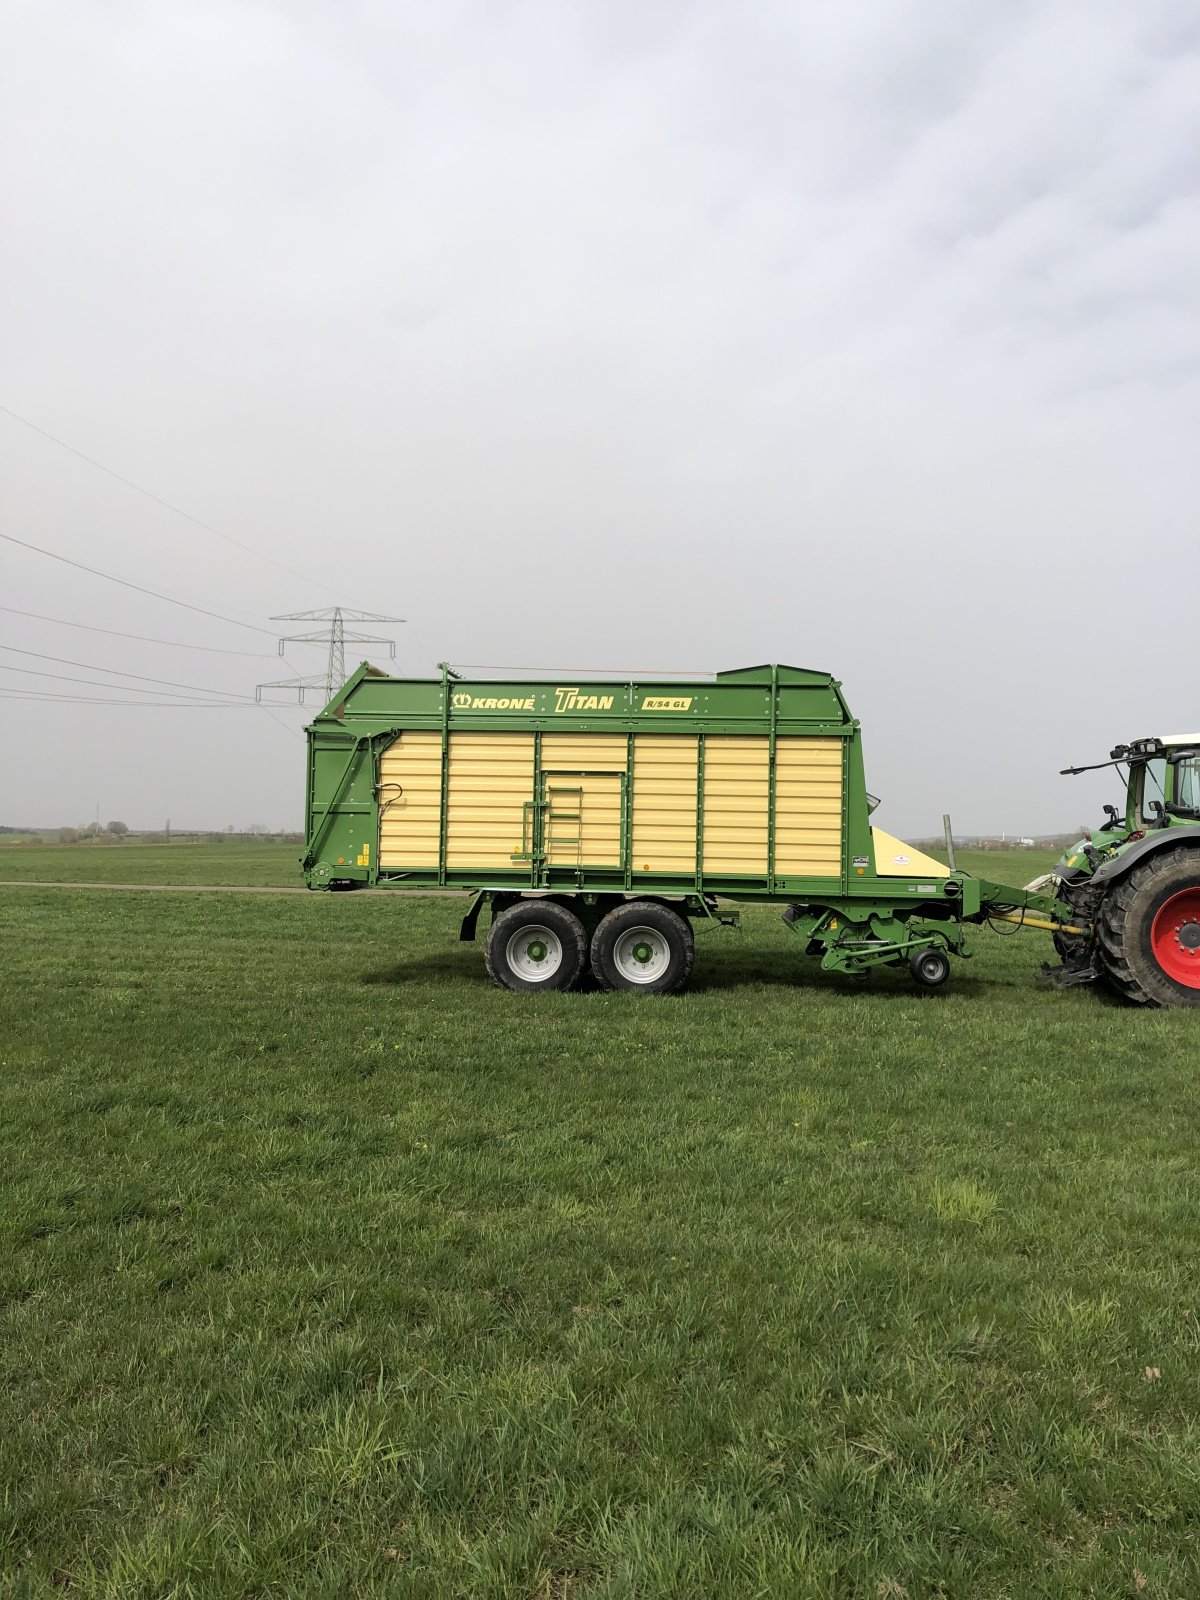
(335, 638)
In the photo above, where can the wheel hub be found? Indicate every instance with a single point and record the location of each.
(1175, 937)
(641, 955)
(535, 953)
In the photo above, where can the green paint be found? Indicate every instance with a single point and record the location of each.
(853, 919)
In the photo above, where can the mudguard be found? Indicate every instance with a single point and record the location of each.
(1160, 839)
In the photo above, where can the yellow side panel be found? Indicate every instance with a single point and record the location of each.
(808, 807)
(410, 801)
(583, 828)
(895, 859)
(664, 803)
(489, 781)
(736, 796)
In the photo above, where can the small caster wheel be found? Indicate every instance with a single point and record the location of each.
(929, 968)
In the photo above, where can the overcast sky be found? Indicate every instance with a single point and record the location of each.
(861, 337)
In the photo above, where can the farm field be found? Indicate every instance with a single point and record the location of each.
(329, 1269)
(252, 864)
(277, 865)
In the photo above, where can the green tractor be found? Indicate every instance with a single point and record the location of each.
(1134, 884)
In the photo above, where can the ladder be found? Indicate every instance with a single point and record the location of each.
(563, 828)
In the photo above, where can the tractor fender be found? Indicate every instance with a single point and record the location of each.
(1160, 839)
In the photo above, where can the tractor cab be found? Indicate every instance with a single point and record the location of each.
(1164, 782)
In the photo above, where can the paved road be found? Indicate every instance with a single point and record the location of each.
(205, 888)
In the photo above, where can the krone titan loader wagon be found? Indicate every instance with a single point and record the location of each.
(600, 821)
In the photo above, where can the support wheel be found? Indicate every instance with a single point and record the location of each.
(536, 945)
(1149, 931)
(643, 946)
(929, 967)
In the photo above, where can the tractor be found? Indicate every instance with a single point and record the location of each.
(1133, 884)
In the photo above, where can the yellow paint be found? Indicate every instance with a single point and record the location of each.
(664, 802)
(808, 807)
(410, 798)
(490, 779)
(736, 793)
(583, 829)
(895, 859)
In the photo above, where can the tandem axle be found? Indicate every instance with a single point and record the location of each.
(550, 940)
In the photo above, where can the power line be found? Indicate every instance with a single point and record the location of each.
(176, 644)
(96, 683)
(41, 696)
(114, 672)
(285, 725)
(125, 584)
(158, 499)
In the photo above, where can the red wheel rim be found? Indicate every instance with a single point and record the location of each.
(1175, 937)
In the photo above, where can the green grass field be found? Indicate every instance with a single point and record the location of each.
(327, 1269)
(256, 865)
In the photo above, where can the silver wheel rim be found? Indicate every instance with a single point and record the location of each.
(534, 953)
(641, 955)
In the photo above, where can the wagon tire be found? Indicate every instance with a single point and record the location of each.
(643, 947)
(1149, 931)
(536, 945)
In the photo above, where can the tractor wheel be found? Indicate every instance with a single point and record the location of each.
(643, 946)
(536, 945)
(1149, 931)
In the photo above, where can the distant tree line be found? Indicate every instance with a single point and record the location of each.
(118, 832)
(111, 831)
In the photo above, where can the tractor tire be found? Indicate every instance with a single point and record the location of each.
(643, 946)
(1149, 931)
(536, 945)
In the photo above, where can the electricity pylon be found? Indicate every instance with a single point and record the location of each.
(335, 638)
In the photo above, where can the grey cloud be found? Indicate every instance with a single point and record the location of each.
(859, 337)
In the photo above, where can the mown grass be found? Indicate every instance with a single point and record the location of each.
(236, 862)
(278, 865)
(328, 1269)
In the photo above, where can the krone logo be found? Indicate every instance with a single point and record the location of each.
(462, 701)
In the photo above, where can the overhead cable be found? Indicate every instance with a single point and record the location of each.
(158, 499)
(176, 644)
(114, 672)
(125, 584)
(41, 696)
(127, 688)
